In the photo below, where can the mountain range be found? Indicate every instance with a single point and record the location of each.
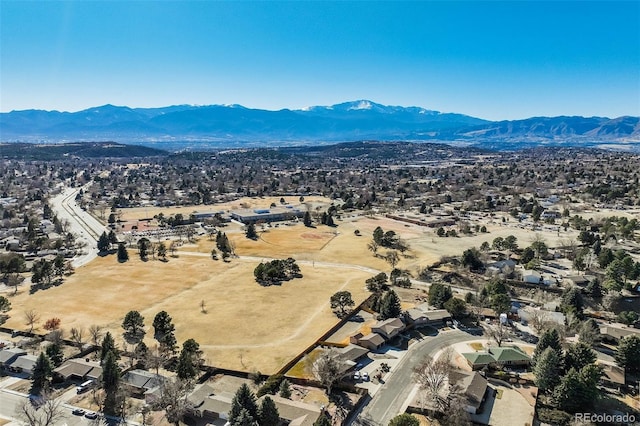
(184, 126)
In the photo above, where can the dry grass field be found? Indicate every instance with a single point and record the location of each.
(137, 213)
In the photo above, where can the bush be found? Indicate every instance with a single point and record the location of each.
(271, 385)
(554, 416)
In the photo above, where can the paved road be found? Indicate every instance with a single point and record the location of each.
(85, 226)
(388, 401)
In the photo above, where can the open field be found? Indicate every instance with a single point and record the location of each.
(245, 326)
(243, 203)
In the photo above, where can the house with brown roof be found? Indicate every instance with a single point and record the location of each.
(388, 328)
(79, 370)
(613, 376)
(371, 341)
(473, 386)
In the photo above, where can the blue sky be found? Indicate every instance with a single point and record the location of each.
(490, 59)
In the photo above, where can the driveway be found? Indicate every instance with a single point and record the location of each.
(511, 409)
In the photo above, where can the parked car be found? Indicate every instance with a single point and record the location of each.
(91, 415)
(356, 376)
(78, 412)
(365, 376)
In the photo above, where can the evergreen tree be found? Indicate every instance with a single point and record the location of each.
(168, 344)
(110, 382)
(589, 332)
(123, 255)
(251, 232)
(628, 354)
(579, 356)
(113, 239)
(307, 219)
(55, 354)
(404, 419)
(186, 370)
(103, 243)
(244, 419)
(162, 324)
(547, 369)
(268, 414)
(390, 306)
(549, 338)
(285, 389)
(244, 399)
(108, 345)
(42, 372)
(133, 325)
(439, 294)
(323, 420)
(378, 233)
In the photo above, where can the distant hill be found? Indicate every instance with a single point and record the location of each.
(30, 151)
(216, 126)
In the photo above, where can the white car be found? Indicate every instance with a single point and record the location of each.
(365, 376)
(356, 376)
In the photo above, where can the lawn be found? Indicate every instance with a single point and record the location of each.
(246, 326)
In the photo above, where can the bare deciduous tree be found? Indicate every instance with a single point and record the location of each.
(538, 319)
(327, 369)
(77, 336)
(433, 378)
(174, 399)
(499, 332)
(46, 411)
(95, 333)
(31, 317)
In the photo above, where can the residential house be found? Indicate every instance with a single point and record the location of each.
(501, 267)
(371, 341)
(388, 328)
(209, 405)
(78, 370)
(579, 280)
(138, 382)
(614, 333)
(23, 364)
(419, 317)
(473, 386)
(294, 413)
(7, 356)
(352, 353)
(497, 357)
(528, 313)
(613, 376)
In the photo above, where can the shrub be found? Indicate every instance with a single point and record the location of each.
(271, 385)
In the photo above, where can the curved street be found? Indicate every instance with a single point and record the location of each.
(389, 400)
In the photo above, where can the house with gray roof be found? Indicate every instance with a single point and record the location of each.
(7, 356)
(138, 382)
(210, 405)
(23, 364)
(78, 370)
(294, 413)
